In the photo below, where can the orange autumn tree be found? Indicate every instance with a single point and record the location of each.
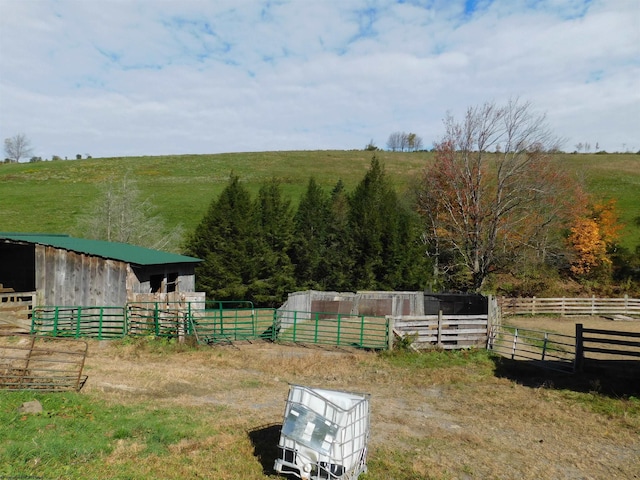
(592, 236)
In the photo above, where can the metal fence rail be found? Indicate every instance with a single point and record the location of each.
(553, 351)
(77, 322)
(42, 364)
(212, 322)
(323, 328)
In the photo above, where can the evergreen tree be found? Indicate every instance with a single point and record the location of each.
(273, 221)
(384, 236)
(367, 205)
(225, 241)
(311, 227)
(336, 270)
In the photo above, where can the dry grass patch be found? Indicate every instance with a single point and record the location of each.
(440, 415)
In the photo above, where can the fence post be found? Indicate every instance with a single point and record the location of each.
(338, 332)
(156, 319)
(100, 318)
(55, 321)
(578, 365)
(295, 324)
(79, 316)
(593, 305)
(626, 305)
(515, 344)
(390, 327)
(439, 342)
(533, 305)
(544, 345)
(315, 332)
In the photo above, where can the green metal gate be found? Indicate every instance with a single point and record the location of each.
(212, 322)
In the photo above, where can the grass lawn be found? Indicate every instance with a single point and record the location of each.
(50, 196)
(152, 409)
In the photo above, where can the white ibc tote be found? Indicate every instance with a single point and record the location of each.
(324, 434)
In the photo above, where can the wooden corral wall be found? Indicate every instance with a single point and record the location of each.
(361, 303)
(15, 311)
(570, 306)
(443, 331)
(69, 278)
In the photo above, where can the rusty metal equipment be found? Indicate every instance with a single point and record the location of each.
(28, 362)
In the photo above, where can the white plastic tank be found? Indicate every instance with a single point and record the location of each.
(324, 434)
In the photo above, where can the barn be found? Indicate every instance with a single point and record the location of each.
(63, 270)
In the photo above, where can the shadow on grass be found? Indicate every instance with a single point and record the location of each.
(611, 378)
(265, 445)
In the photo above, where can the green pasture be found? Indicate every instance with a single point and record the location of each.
(50, 196)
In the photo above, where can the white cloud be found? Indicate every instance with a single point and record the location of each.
(145, 77)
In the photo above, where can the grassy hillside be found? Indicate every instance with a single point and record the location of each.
(49, 196)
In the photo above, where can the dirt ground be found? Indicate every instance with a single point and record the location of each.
(458, 422)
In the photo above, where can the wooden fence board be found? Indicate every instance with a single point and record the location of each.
(570, 306)
(443, 331)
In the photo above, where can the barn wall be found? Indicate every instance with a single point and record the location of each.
(70, 278)
(139, 279)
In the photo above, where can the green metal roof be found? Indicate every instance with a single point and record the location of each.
(112, 250)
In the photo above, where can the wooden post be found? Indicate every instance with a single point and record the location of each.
(390, 328)
(439, 342)
(578, 364)
(533, 305)
(626, 305)
(515, 344)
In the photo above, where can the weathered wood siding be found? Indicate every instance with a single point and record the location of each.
(15, 311)
(139, 278)
(70, 278)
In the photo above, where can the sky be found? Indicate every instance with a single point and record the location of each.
(156, 77)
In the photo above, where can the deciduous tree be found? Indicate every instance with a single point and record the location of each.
(592, 237)
(121, 214)
(492, 191)
(17, 147)
(395, 141)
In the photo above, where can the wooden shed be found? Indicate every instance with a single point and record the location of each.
(67, 271)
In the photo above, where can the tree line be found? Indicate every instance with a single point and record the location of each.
(492, 202)
(262, 249)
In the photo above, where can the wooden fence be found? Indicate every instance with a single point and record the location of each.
(570, 306)
(442, 331)
(591, 349)
(597, 348)
(16, 310)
